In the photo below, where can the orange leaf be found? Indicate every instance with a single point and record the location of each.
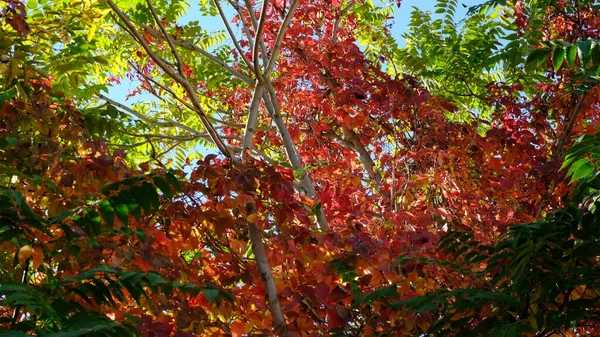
(38, 256)
(237, 328)
(24, 253)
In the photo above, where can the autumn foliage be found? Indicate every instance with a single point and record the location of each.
(298, 173)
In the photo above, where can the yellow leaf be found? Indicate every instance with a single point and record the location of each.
(44, 202)
(91, 32)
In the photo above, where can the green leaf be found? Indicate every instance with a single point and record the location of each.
(164, 186)
(580, 169)
(142, 197)
(95, 221)
(538, 56)
(210, 294)
(558, 57)
(150, 191)
(121, 210)
(571, 54)
(155, 278)
(595, 54)
(583, 49)
(174, 181)
(107, 212)
(380, 294)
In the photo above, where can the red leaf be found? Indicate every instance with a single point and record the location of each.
(333, 319)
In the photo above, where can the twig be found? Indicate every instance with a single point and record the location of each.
(167, 37)
(170, 123)
(337, 22)
(258, 37)
(278, 41)
(230, 31)
(255, 26)
(243, 21)
(190, 46)
(179, 79)
(162, 87)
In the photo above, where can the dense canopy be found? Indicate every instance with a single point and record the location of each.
(294, 168)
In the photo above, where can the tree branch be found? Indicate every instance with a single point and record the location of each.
(167, 37)
(243, 22)
(258, 248)
(290, 148)
(557, 154)
(230, 31)
(170, 123)
(190, 46)
(258, 37)
(255, 26)
(278, 41)
(252, 121)
(190, 91)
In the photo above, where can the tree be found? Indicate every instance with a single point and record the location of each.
(337, 153)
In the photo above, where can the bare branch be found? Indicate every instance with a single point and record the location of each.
(352, 142)
(252, 121)
(258, 37)
(251, 14)
(272, 103)
(255, 26)
(277, 47)
(149, 79)
(230, 31)
(558, 152)
(190, 46)
(336, 25)
(167, 37)
(170, 123)
(244, 25)
(178, 78)
(266, 276)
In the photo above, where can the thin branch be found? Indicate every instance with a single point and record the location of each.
(252, 121)
(258, 37)
(352, 142)
(255, 26)
(180, 100)
(278, 41)
(557, 155)
(167, 37)
(191, 92)
(270, 99)
(174, 145)
(251, 14)
(567, 133)
(336, 25)
(190, 46)
(244, 25)
(162, 87)
(230, 31)
(170, 123)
